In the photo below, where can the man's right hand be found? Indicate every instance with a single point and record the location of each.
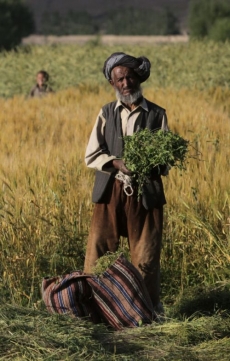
(120, 165)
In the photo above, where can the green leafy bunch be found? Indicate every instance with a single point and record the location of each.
(146, 150)
(106, 261)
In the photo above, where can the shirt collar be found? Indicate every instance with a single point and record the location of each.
(143, 104)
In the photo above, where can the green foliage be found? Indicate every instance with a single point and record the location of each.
(104, 262)
(72, 23)
(130, 21)
(198, 65)
(220, 30)
(210, 18)
(169, 23)
(141, 22)
(108, 259)
(16, 22)
(146, 150)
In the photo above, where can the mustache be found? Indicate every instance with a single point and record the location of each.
(131, 98)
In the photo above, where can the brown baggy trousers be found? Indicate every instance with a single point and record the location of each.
(125, 216)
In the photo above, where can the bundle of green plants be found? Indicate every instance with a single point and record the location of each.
(108, 260)
(148, 151)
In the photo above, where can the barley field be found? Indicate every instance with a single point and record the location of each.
(45, 202)
(197, 65)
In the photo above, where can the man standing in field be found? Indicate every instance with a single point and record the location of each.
(117, 214)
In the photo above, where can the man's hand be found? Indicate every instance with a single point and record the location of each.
(120, 165)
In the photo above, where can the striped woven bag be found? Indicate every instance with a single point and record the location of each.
(70, 294)
(121, 295)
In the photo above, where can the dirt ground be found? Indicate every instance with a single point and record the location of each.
(104, 39)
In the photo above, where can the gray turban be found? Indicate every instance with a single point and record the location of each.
(141, 65)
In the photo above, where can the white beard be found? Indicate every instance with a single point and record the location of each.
(130, 98)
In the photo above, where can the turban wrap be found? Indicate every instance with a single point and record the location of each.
(141, 66)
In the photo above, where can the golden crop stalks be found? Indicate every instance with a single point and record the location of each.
(46, 188)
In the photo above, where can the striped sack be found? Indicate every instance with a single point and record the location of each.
(122, 296)
(70, 294)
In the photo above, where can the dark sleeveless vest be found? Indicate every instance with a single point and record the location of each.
(153, 194)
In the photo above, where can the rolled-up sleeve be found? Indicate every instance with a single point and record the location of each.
(164, 124)
(96, 156)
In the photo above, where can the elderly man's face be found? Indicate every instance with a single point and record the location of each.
(125, 80)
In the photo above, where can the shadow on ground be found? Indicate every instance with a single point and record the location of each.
(204, 301)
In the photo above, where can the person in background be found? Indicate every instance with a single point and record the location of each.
(41, 88)
(116, 213)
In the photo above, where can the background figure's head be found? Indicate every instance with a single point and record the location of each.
(42, 78)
